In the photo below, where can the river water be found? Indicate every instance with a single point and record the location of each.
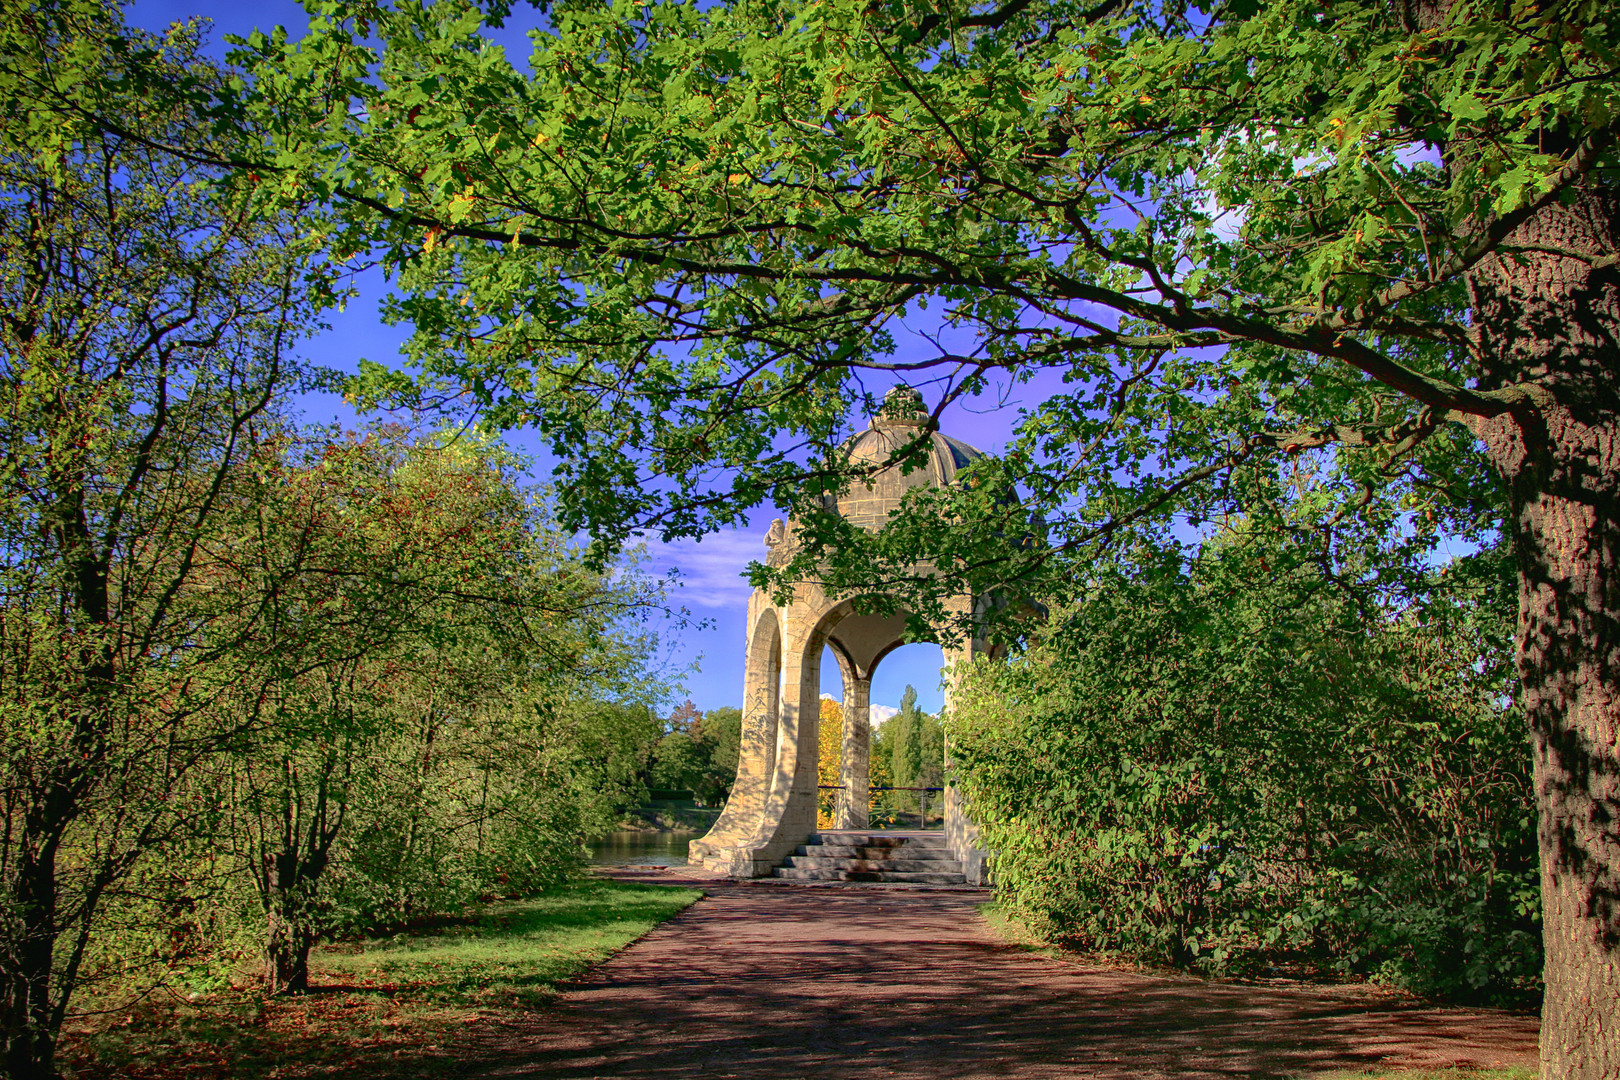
(633, 848)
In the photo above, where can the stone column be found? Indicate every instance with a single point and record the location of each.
(854, 800)
(790, 814)
(756, 754)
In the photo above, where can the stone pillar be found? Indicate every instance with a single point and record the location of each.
(790, 813)
(854, 801)
(756, 756)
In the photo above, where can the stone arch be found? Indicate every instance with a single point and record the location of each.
(773, 806)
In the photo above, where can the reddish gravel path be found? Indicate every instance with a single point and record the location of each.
(780, 982)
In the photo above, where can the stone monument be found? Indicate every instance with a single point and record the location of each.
(772, 809)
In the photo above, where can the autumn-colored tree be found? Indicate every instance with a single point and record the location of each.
(429, 621)
(829, 761)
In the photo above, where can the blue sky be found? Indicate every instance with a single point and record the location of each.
(714, 593)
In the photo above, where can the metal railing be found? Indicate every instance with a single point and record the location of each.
(922, 798)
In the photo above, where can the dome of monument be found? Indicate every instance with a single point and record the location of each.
(869, 501)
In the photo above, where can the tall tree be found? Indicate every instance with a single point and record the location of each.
(1379, 234)
(906, 740)
(145, 321)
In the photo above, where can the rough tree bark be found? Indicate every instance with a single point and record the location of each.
(30, 1042)
(290, 880)
(292, 874)
(32, 999)
(1551, 323)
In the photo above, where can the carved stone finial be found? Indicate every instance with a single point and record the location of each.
(902, 407)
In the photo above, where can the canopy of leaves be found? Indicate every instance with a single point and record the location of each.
(694, 237)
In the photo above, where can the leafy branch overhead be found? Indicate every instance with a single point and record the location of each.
(690, 239)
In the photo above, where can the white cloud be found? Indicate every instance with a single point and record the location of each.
(710, 568)
(876, 714)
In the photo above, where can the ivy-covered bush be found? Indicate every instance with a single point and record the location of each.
(1239, 764)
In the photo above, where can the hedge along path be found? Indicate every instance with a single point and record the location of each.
(767, 980)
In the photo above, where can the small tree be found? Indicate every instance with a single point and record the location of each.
(426, 604)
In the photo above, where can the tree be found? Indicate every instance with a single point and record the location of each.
(905, 740)
(433, 635)
(1377, 236)
(698, 753)
(720, 732)
(145, 323)
(677, 761)
(917, 745)
(914, 745)
(829, 761)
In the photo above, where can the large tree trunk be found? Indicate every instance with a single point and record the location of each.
(289, 936)
(1552, 323)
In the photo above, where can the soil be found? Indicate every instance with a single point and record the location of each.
(770, 981)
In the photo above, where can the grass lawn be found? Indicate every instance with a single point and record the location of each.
(392, 1007)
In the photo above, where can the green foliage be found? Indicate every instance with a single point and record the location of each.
(915, 743)
(720, 730)
(445, 703)
(1227, 231)
(698, 753)
(1243, 765)
(146, 326)
(457, 696)
(908, 751)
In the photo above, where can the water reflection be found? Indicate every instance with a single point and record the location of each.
(634, 848)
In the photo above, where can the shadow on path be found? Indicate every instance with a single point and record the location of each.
(774, 983)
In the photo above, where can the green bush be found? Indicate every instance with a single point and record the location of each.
(1243, 764)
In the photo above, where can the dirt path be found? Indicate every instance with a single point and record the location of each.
(788, 983)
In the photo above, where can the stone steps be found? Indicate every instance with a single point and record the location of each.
(911, 858)
(839, 851)
(793, 873)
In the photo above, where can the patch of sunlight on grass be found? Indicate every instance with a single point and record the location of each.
(512, 954)
(390, 1009)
